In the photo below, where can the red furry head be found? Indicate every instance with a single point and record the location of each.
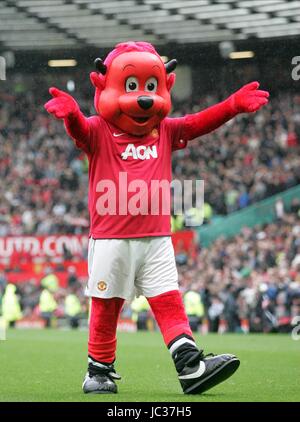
(133, 88)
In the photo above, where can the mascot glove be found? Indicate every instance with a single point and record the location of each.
(62, 105)
(249, 99)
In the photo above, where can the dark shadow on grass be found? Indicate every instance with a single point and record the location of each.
(212, 395)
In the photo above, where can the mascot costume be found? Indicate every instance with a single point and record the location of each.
(129, 144)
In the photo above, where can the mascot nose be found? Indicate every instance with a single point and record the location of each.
(145, 102)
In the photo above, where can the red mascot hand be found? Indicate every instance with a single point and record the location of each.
(62, 104)
(249, 99)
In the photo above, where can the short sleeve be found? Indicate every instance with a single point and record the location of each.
(174, 128)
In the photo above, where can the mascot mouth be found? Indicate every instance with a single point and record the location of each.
(140, 119)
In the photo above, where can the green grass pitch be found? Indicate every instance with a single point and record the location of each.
(49, 366)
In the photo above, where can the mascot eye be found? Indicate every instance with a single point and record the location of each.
(132, 84)
(151, 85)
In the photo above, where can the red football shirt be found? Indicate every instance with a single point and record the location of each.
(125, 198)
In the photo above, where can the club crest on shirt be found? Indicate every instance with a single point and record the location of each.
(102, 286)
(154, 133)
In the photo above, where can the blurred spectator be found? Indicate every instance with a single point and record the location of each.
(66, 253)
(181, 255)
(279, 209)
(140, 308)
(30, 294)
(194, 308)
(47, 306)
(72, 278)
(193, 217)
(230, 310)
(50, 280)
(73, 308)
(215, 311)
(295, 206)
(11, 310)
(177, 223)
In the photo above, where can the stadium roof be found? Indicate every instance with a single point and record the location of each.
(44, 24)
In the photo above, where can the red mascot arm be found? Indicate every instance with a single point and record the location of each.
(63, 106)
(247, 100)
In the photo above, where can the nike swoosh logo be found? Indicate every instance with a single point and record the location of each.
(116, 135)
(200, 371)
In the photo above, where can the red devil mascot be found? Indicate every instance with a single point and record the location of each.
(129, 144)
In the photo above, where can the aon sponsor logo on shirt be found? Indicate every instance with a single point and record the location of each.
(140, 152)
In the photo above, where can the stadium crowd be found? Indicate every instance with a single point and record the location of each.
(254, 276)
(247, 160)
(45, 177)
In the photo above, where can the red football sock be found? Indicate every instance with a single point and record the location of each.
(170, 315)
(103, 326)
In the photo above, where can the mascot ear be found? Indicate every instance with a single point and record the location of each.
(97, 80)
(171, 81)
(99, 84)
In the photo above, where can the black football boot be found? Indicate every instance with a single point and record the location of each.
(198, 372)
(100, 378)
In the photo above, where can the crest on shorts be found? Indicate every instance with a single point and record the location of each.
(102, 286)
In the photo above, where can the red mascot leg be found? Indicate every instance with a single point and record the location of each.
(103, 326)
(170, 315)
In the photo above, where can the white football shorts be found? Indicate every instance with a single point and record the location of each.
(131, 267)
